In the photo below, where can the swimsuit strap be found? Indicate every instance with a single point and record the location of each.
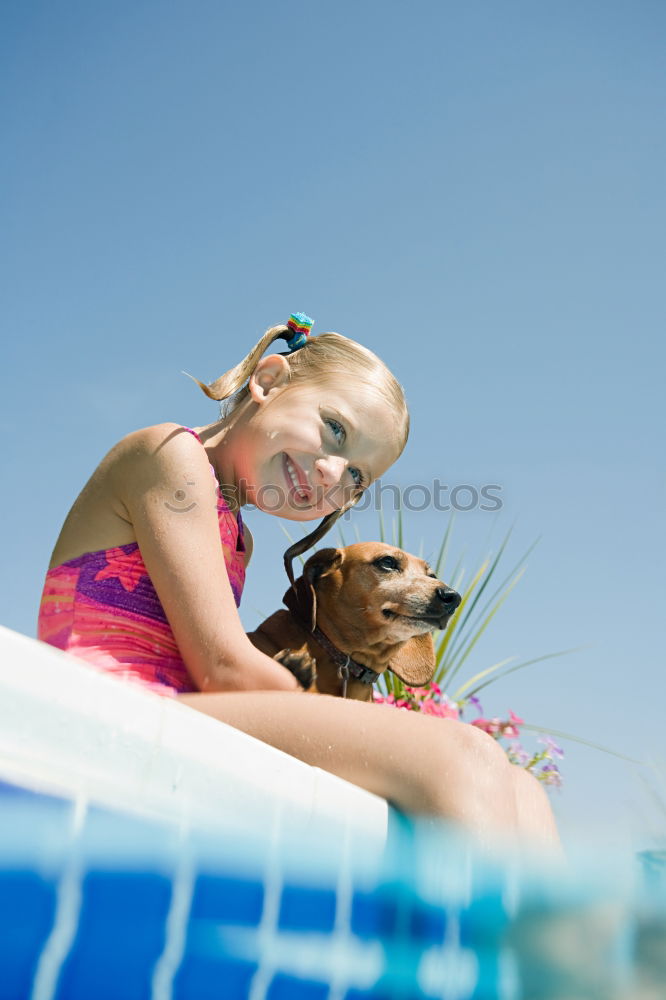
(237, 516)
(193, 433)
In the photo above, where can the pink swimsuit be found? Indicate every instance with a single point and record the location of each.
(102, 607)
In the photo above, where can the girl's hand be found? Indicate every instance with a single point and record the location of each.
(165, 483)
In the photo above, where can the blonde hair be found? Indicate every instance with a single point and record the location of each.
(328, 358)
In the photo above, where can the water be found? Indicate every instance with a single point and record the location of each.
(100, 905)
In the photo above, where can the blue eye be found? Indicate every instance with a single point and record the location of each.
(340, 435)
(337, 428)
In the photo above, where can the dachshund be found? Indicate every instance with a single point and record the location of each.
(354, 613)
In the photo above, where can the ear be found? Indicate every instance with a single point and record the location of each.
(414, 663)
(302, 597)
(302, 601)
(322, 563)
(271, 372)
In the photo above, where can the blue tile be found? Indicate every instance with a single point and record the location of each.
(285, 987)
(489, 973)
(384, 992)
(120, 936)
(227, 900)
(307, 909)
(427, 924)
(27, 911)
(205, 978)
(395, 913)
(483, 919)
(374, 914)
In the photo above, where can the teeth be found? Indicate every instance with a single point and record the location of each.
(294, 479)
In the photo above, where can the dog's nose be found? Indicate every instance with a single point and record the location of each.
(450, 598)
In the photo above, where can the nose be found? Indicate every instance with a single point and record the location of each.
(449, 598)
(330, 469)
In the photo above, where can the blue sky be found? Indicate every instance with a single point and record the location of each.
(473, 190)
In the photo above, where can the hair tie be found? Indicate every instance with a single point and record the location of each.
(299, 326)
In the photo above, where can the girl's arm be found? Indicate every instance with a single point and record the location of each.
(164, 482)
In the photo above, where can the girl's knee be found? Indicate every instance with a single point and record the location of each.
(535, 815)
(529, 787)
(481, 749)
(468, 774)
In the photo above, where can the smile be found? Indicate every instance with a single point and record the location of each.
(298, 491)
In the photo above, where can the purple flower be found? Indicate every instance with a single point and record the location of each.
(551, 746)
(550, 775)
(473, 700)
(518, 754)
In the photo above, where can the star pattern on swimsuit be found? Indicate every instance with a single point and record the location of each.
(128, 568)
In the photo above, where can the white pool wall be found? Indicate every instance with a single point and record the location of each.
(71, 730)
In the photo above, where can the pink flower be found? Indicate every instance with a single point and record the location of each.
(433, 701)
(431, 707)
(490, 726)
(418, 692)
(444, 710)
(510, 732)
(451, 708)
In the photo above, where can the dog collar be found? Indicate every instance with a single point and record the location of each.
(346, 666)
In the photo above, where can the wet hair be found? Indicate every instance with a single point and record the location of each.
(328, 359)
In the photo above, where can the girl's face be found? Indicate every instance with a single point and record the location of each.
(304, 451)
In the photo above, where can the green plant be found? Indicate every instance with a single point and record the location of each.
(451, 694)
(482, 598)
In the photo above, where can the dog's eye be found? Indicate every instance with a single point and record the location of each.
(386, 563)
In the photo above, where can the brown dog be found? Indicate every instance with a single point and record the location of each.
(359, 611)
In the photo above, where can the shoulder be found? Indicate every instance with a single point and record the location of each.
(159, 444)
(157, 438)
(158, 453)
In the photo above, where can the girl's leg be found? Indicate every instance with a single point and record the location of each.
(423, 765)
(535, 817)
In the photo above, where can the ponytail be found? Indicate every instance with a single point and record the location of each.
(233, 380)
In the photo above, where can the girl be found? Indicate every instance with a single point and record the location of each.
(139, 584)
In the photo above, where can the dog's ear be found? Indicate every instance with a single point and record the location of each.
(319, 565)
(414, 663)
(302, 597)
(302, 601)
(322, 563)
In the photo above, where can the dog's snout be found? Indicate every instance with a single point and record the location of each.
(449, 598)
